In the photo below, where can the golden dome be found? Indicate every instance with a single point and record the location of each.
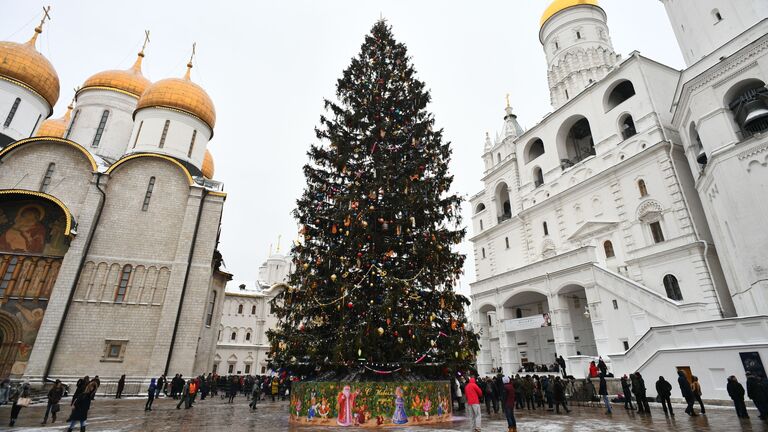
(129, 81)
(559, 5)
(22, 64)
(180, 94)
(55, 127)
(207, 165)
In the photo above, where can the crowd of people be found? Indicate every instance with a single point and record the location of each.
(550, 393)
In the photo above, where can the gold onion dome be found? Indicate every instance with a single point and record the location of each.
(207, 165)
(180, 94)
(55, 127)
(130, 81)
(22, 64)
(560, 5)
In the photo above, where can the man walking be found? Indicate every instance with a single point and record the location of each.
(603, 392)
(509, 404)
(559, 395)
(473, 394)
(687, 392)
(664, 389)
(561, 362)
(627, 393)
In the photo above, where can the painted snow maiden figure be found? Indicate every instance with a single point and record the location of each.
(346, 406)
(399, 417)
(426, 406)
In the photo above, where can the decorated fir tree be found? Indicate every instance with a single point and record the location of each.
(375, 270)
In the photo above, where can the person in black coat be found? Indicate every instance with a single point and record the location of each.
(757, 392)
(81, 406)
(627, 393)
(641, 394)
(736, 393)
(602, 367)
(687, 392)
(558, 393)
(603, 392)
(561, 363)
(664, 390)
(120, 387)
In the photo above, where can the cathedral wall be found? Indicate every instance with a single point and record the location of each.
(26, 166)
(31, 111)
(149, 124)
(91, 104)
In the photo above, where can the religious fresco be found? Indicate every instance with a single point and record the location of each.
(370, 404)
(32, 246)
(32, 227)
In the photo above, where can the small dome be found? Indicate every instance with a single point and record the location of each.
(129, 81)
(55, 127)
(208, 165)
(559, 5)
(180, 94)
(22, 64)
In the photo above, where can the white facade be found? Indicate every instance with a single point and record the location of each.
(595, 215)
(30, 111)
(92, 104)
(243, 346)
(147, 135)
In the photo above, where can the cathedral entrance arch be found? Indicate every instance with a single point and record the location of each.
(35, 232)
(527, 329)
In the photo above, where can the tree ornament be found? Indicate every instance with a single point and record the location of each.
(350, 305)
(380, 331)
(333, 278)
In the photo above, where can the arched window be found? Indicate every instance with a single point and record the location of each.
(672, 287)
(480, 207)
(211, 308)
(641, 187)
(240, 309)
(627, 126)
(506, 242)
(253, 310)
(234, 336)
(72, 124)
(165, 133)
(122, 286)
(192, 143)
(503, 202)
(545, 228)
(518, 313)
(148, 194)
(247, 336)
(621, 92)
(748, 101)
(717, 15)
(100, 128)
(534, 150)
(578, 144)
(538, 177)
(47, 178)
(608, 247)
(12, 112)
(578, 35)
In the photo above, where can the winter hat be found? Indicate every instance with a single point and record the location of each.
(505, 380)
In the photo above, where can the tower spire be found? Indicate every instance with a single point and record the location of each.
(137, 64)
(189, 63)
(39, 28)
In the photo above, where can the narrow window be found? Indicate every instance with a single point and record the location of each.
(234, 336)
(148, 194)
(642, 188)
(658, 234)
(483, 251)
(247, 369)
(47, 178)
(717, 15)
(253, 310)
(192, 143)
(12, 112)
(72, 124)
(231, 368)
(566, 94)
(615, 304)
(608, 247)
(518, 313)
(490, 321)
(138, 132)
(626, 345)
(628, 127)
(538, 177)
(248, 336)
(5, 282)
(506, 241)
(498, 157)
(240, 309)
(557, 45)
(546, 228)
(578, 35)
(123, 285)
(211, 307)
(481, 224)
(100, 129)
(37, 122)
(672, 287)
(165, 133)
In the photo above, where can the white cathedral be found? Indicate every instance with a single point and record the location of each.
(109, 223)
(627, 223)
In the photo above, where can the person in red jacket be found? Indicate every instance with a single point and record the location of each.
(509, 404)
(473, 394)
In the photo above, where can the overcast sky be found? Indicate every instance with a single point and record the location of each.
(269, 64)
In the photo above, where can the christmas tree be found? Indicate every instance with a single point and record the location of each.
(375, 270)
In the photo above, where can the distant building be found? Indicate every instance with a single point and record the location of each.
(243, 346)
(630, 216)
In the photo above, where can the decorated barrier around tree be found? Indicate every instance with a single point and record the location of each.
(370, 404)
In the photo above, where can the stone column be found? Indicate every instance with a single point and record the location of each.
(561, 325)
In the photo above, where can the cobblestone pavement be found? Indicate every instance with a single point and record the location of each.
(216, 415)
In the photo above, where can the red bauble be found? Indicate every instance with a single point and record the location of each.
(350, 305)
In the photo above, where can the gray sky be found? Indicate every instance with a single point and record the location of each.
(268, 64)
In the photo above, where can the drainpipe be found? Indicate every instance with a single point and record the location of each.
(186, 281)
(86, 249)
